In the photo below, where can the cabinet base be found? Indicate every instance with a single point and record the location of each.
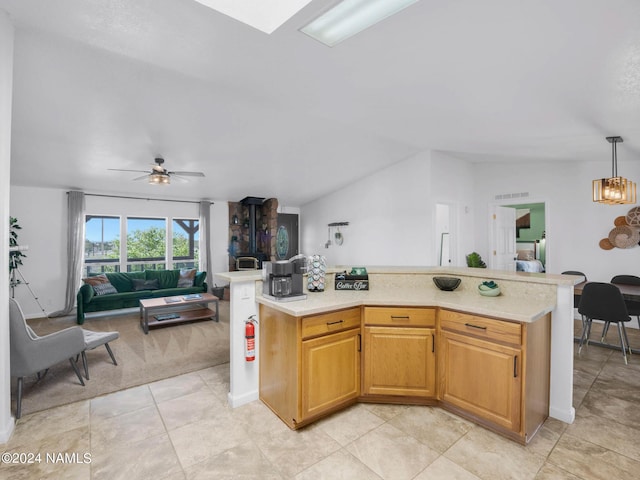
(522, 438)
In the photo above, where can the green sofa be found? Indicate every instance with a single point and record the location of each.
(133, 286)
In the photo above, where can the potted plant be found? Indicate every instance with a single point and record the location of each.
(15, 256)
(474, 260)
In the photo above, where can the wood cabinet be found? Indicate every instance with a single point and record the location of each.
(309, 366)
(495, 372)
(399, 353)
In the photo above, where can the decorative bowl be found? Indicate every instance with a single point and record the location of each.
(489, 289)
(447, 284)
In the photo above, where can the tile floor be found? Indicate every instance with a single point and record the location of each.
(182, 428)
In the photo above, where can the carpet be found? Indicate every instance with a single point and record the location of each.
(165, 352)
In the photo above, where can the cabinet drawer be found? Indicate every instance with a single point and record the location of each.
(330, 322)
(400, 317)
(481, 327)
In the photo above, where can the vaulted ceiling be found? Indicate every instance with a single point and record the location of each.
(104, 84)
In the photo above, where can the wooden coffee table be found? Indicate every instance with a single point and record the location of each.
(177, 309)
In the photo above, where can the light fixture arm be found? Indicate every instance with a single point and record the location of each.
(614, 154)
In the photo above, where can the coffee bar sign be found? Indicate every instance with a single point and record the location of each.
(351, 282)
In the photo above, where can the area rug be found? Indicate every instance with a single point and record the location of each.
(165, 352)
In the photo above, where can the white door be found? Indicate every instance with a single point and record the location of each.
(503, 238)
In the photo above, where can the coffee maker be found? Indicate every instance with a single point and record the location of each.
(283, 280)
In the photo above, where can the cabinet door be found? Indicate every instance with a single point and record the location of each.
(399, 361)
(483, 378)
(330, 371)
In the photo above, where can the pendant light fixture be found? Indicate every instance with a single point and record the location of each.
(614, 190)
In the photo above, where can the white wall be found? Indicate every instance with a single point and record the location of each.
(575, 225)
(391, 214)
(42, 213)
(6, 84)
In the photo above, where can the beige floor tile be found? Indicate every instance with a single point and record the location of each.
(195, 442)
(546, 438)
(608, 434)
(612, 404)
(257, 419)
(551, 472)
(391, 453)
(445, 469)
(126, 428)
(385, 411)
(589, 461)
(346, 426)
(490, 456)
(241, 462)
(432, 426)
(32, 428)
(152, 457)
(176, 387)
(295, 450)
(338, 466)
(198, 406)
(124, 401)
(66, 455)
(218, 380)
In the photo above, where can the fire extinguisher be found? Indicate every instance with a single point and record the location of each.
(250, 339)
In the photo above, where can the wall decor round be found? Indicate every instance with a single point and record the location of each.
(282, 242)
(633, 217)
(624, 237)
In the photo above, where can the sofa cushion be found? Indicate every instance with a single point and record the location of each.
(139, 284)
(104, 289)
(96, 280)
(186, 278)
(122, 281)
(199, 280)
(166, 278)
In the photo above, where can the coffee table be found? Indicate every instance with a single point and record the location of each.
(177, 309)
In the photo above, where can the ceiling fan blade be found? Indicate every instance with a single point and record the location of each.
(126, 170)
(179, 178)
(187, 174)
(140, 177)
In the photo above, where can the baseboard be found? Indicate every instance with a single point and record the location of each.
(563, 415)
(7, 430)
(239, 400)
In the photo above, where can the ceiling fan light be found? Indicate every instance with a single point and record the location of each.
(159, 179)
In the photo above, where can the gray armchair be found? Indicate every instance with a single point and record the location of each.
(31, 354)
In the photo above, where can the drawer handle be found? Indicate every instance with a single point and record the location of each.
(400, 317)
(475, 326)
(334, 323)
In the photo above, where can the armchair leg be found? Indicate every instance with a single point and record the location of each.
(85, 364)
(110, 354)
(75, 369)
(19, 399)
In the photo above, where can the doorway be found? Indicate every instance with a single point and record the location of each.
(531, 229)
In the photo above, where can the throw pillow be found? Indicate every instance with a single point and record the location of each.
(96, 280)
(104, 289)
(186, 278)
(139, 284)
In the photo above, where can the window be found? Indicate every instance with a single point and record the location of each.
(101, 244)
(146, 244)
(151, 244)
(186, 243)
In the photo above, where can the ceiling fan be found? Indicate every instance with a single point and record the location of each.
(158, 174)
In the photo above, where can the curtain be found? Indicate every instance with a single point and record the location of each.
(205, 239)
(75, 250)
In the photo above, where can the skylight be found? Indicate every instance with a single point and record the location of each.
(350, 17)
(264, 15)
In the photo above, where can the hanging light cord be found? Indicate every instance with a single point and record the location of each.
(614, 165)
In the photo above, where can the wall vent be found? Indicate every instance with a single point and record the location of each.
(504, 196)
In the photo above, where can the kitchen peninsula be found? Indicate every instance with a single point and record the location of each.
(527, 301)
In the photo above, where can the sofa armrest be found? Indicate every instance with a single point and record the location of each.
(85, 294)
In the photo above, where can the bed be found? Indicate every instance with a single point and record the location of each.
(528, 258)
